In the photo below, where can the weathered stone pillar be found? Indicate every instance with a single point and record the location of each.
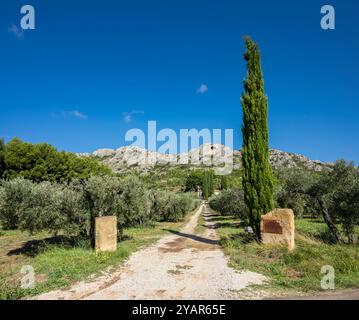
(277, 227)
(106, 234)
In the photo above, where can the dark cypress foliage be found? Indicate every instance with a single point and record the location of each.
(205, 186)
(208, 184)
(224, 183)
(257, 172)
(212, 179)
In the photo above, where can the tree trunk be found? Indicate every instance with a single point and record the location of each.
(351, 238)
(348, 226)
(328, 220)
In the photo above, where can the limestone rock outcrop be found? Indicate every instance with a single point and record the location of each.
(125, 158)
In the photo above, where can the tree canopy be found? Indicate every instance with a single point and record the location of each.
(42, 162)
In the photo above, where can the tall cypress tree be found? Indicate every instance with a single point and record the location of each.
(224, 183)
(205, 186)
(211, 184)
(257, 172)
(208, 184)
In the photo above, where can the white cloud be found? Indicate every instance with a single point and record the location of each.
(14, 29)
(78, 114)
(202, 89)
(128, 116)
(73, 113)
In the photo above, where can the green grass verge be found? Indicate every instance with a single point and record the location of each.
(200, 227)
(299, 270)
(59, 262)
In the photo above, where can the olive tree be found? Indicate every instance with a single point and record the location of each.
(13, 194)
(291, 193)
(229, 201)
(337, 195)
(135, 203)
(41, 206)
(101, 196)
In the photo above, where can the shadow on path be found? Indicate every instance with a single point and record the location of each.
(194, 237)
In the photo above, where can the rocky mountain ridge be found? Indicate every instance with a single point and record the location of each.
(207, 155)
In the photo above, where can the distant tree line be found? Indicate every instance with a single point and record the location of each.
(206, 180)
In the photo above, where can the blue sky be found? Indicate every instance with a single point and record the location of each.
(92, 70)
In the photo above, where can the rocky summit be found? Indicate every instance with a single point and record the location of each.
(207, 155)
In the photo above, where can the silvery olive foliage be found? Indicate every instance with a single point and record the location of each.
(71, 208)
(160, 201)
(178, 206)
(73, 217)
(41, 206)
(135, 204)
(40, 211)
(229, 201)
(127, 198)
(12, 195)
(338, 193)
(166, 206)
(291, 191)
(102, 196)
(334, 193)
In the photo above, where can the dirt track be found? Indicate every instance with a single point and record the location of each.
(179, 266)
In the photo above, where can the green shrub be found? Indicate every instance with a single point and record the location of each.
(291, 192)
(334, 193)
(178, 206)
(72, 208)
(102, 195)
(73, 218)
(12, 196)
(229, 202)
(194, 180)
(135, 203)
(342, 197)
(128, 199)
(160, 201)
(170, 207)
(43, 206)
(40, 210)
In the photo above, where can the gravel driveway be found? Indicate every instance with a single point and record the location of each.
(182, 265)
